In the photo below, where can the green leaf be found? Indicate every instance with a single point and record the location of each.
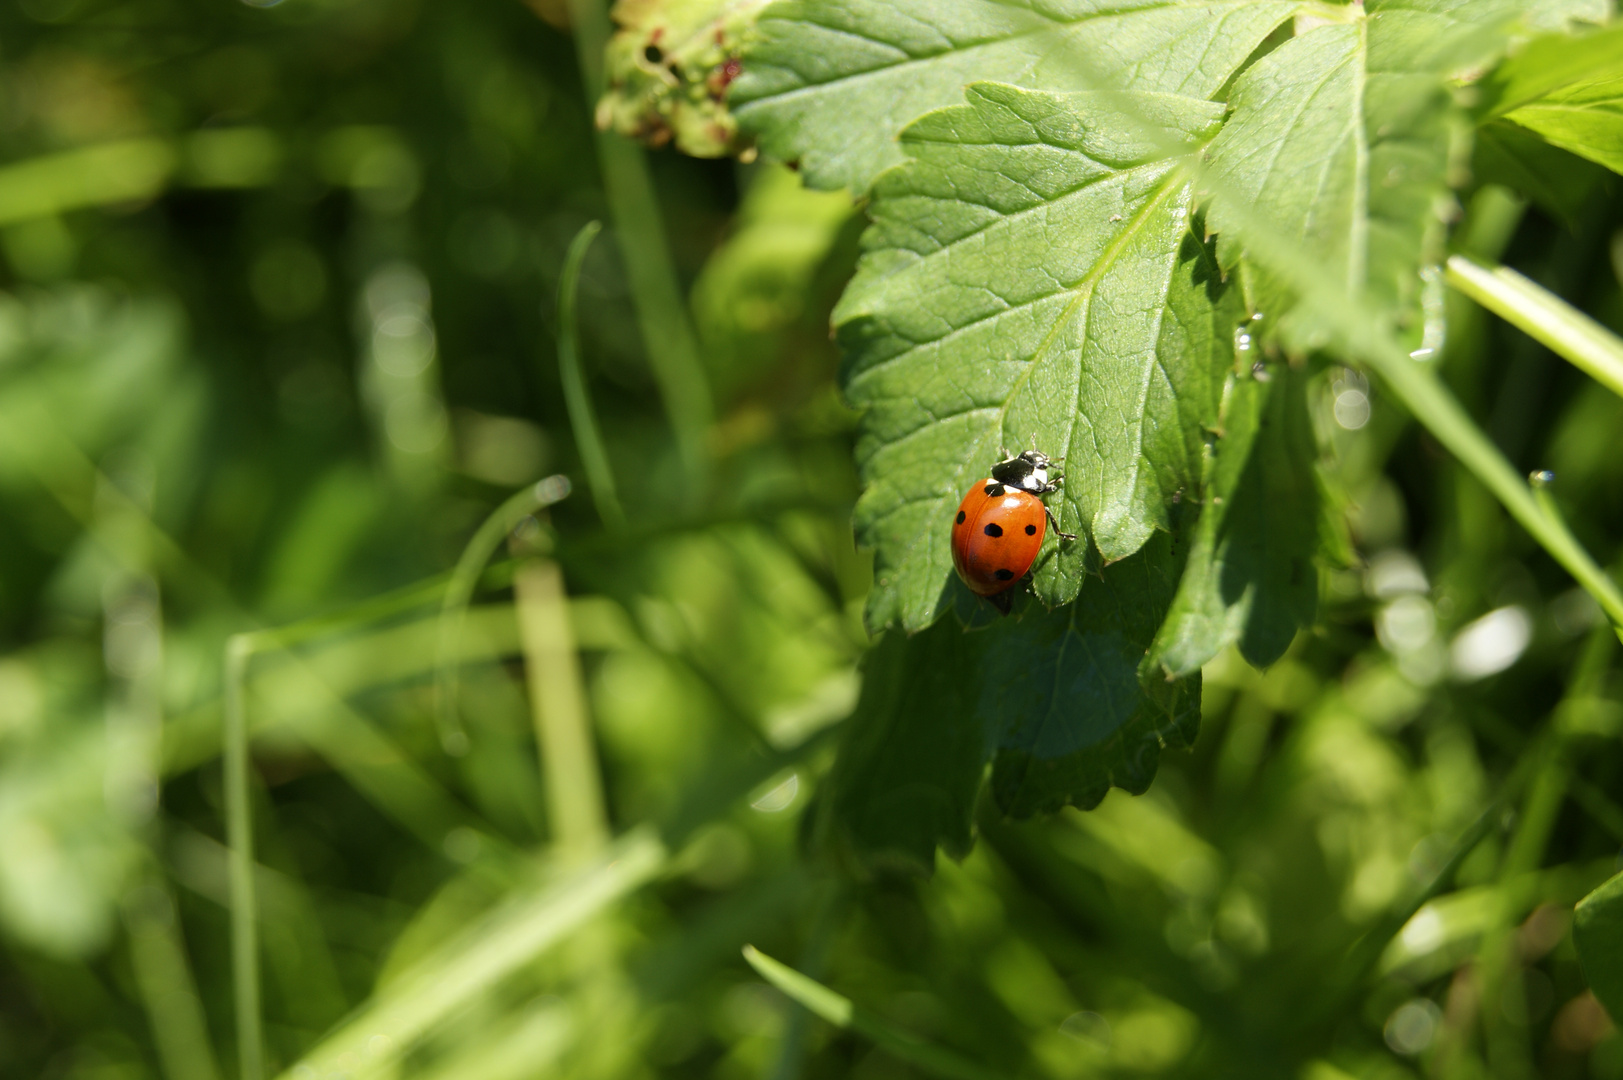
(1340, 138)
(1061, 701)
(911, 763)
(1031, 277)
(1559, 182)
(1597, 931)
(1552, 62)
(829, 84)
(1250, 577)
(1585, 118)
(1069, 700)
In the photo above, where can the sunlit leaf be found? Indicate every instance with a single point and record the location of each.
(1340, 138)
(1031, 278)
(1584, 117)
(829, 84)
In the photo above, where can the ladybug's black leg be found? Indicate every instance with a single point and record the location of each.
(1000, 601)
(1054, 521)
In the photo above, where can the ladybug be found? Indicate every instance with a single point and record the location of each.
(1000, 524)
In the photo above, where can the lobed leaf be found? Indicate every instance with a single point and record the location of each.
(1061, 702)
(1567, 89)
(1513, 156)
(1031, 278)
(1250, 577)
(1340, 138)
(1585, 118)
(1072, 707)
(829, 84)
(910, 766)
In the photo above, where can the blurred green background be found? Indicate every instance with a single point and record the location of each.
(278, 333)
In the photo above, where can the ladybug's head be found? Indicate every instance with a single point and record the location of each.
(1028, 471)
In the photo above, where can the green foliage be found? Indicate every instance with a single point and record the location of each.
(1251, 579)
(1076, 709)
(296, 353)
(1569, 92)
(829, 86)
(1060, 702)
(1340, 140)
(1597, 930)
(1010, 294)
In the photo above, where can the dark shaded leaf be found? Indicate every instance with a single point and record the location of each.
(1557, 181)
(1597, 931)
(1250, 577)
(1070, 701)
(911, 763)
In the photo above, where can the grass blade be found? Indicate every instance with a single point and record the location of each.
(662, 314)
(594, 458)
(563, 728)
(240, 835)
(1541, 314)
(454, 608)
(842, 1012)
(168, 990)
(500, 944)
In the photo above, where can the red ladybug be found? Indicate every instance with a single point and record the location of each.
(1000, 524)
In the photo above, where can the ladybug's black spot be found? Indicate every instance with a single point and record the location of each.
(1004, 575)
(994, 490)
(960, 517)
(994, 529)
(653, 54)
(1031, 530)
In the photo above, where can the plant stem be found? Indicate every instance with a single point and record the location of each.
(563, 731)
(662, 314)
(240, 835)
(1430, 402)
(841, 1012)
(1541, 314)
(164, 977)
(469, 964)
(454, 607)
(594, 458)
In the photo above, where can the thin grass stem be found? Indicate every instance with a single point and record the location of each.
(594, 458)
(843, 1013)
(662, 313)
(240, 835)
(459, 592)
(563, 729)
(471, 963)
(164, 978)
(1539, 313)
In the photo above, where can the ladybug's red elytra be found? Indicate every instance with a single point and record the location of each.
(1000, 525)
